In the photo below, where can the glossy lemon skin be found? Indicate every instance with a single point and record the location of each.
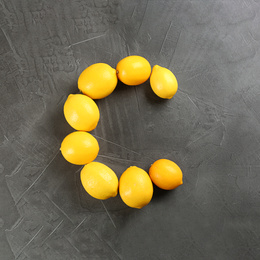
(166, 174)
(81, 112)
(99, 180)
(79, 148)
(163, 82)
(98, 80)
(133, 70)
(135, 187)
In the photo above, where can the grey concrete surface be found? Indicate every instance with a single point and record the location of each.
(211, 129)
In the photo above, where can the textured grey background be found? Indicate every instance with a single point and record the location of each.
(211, 128)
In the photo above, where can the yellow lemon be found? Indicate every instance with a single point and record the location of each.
(98, 80)
(163, 82)
(166, 174)
(79, 148)
(99, 180)
(135, 187)
(81, 112)
(133, 70)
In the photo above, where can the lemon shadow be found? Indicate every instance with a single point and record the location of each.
(54, 116)
(151, 97)
(160, 194)
(121, 87)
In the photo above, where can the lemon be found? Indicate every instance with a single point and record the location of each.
(135, 187)
(163, 82)
(98, 80)
(133, 70)
(99, 180)
(81, 112)
(166, 174)
(79, 148)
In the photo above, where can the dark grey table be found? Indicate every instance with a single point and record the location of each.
(211, 129)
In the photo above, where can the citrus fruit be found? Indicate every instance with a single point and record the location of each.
(163, 82)
(98, 80)
(79, 148)
(81, 112)
(133, 70)
(165, 174)
(99, 180)
(135, 187)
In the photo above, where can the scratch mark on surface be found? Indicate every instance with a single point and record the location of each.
(249, 172)
(62, 100)
(128, 49)
(253, 233)
(143, 16)
(87, 40)
(236, 180)
(223, 200)
(118, 159)
(102, 240)
(213, 105)
(37, 177)
(121, 36)
(192, 101)
(201, 137)
(9, 41)
(52, 232)
(251, 111)
(123, 147)
(78, 225)
(29, 242)
(138, 105)
(169, 107)
(133, 12)
(16, 224)
(72, 245)
(108, 214)
(248, 251)
(16, 170)
(223, 134)
(79, 169)
(59, 209)
(186, 93)
(175, 49)
(197, 181)
(21, 93)
(149, 36)
(257, 155)
(192, 241)
(16, 83)
(165, 37)
(192, 77)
